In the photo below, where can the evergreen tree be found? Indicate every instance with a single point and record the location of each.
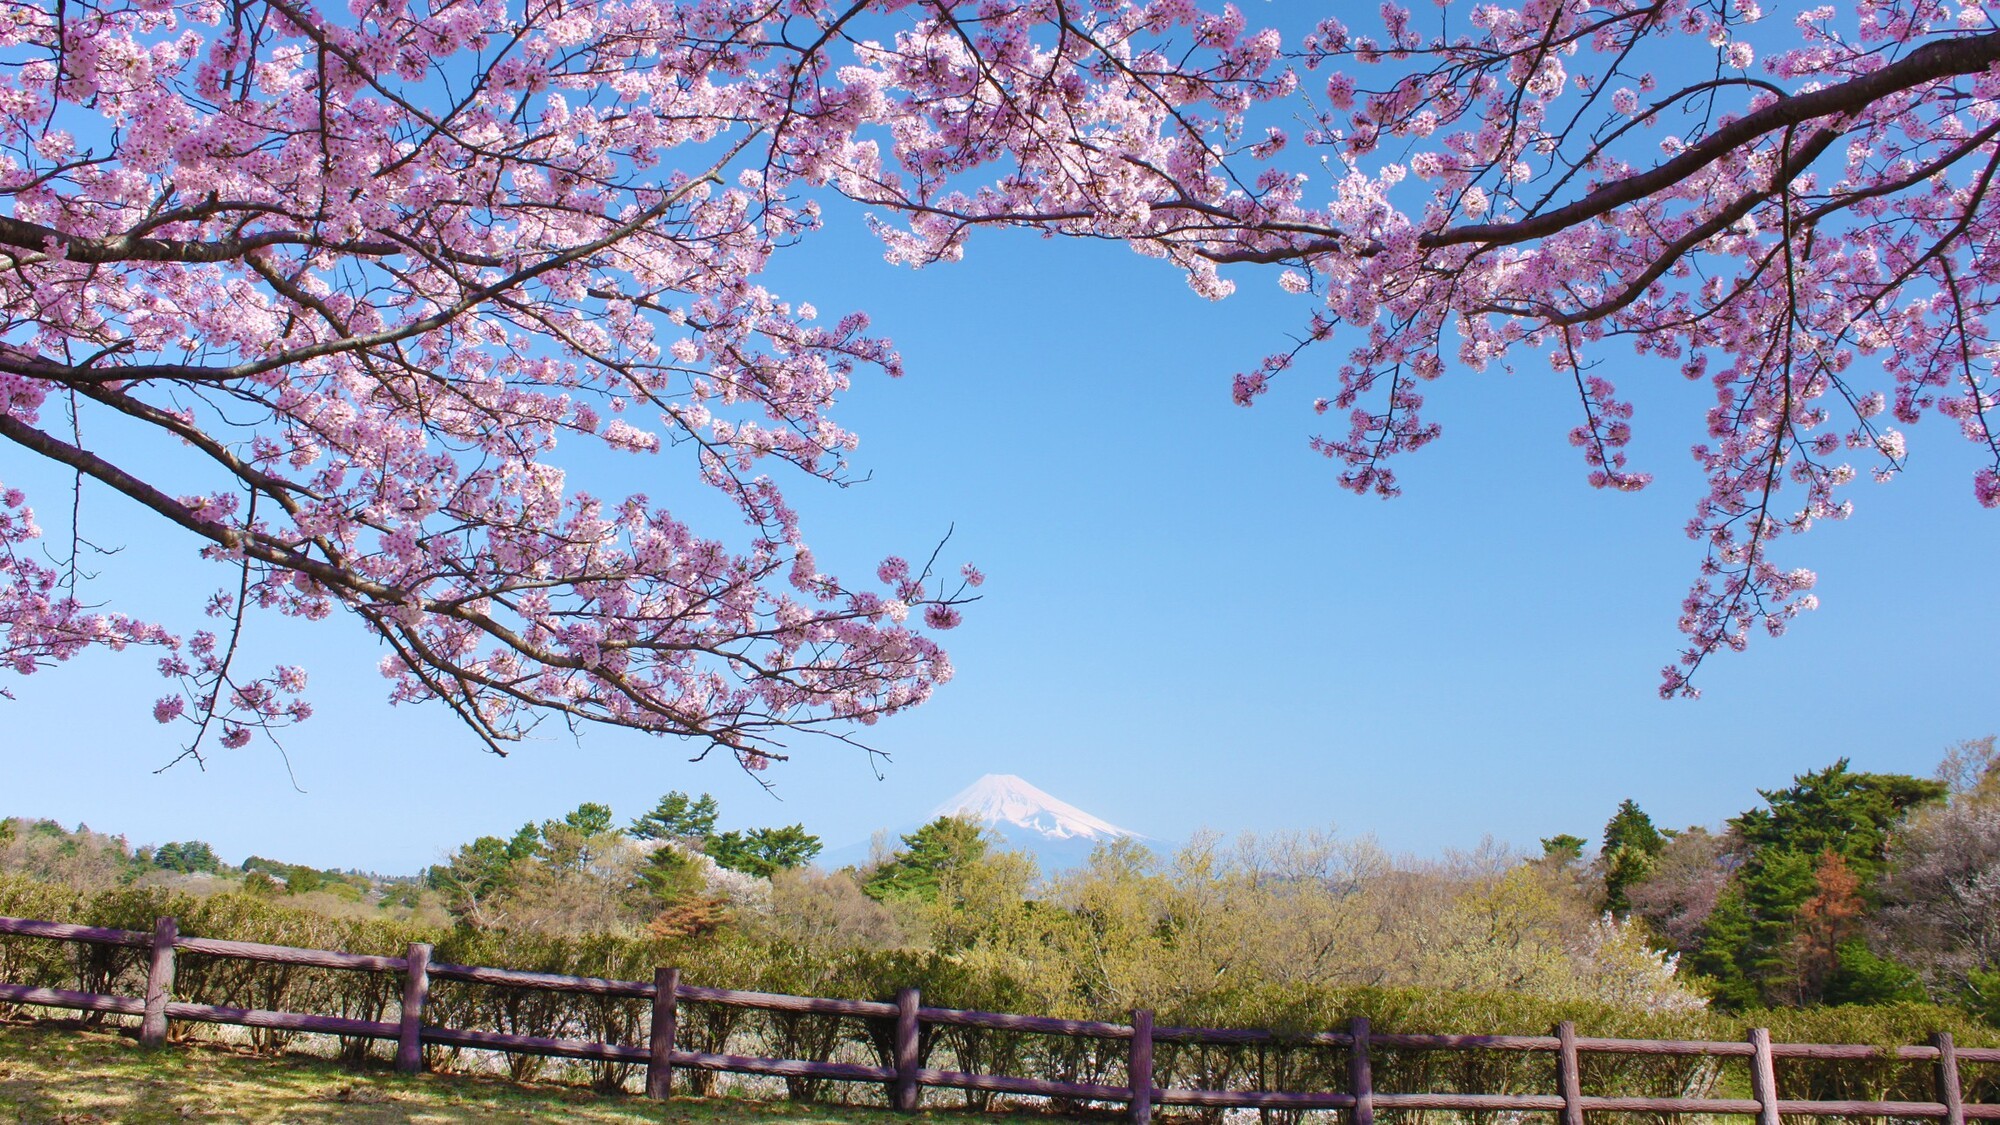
(474, 875)
(764, 851)
(588, 819)
(1728, 933)
(670, 876)
(928, 856)
(187, 857)
(1850, 813)
(1563, 849)
(524, 843)
(1631, 847)
(677, 817)
(1762, 936)
(1862, 976)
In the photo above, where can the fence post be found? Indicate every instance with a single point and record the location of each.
(159, 983)
(1763, 1076)
(1360, 1078)
(1140, 1067)
(416, 988)
(1947, 1080)
(903, 1091)
(666, 1023)
(1567, 1073)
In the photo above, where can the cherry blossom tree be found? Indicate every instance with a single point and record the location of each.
(1541, 185)
(353, 273)
(1796, 214)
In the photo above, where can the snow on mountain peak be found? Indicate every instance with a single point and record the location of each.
(1002, 798)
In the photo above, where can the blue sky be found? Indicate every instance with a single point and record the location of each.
(1186, 623)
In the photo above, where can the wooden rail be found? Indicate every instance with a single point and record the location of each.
(906, 1077)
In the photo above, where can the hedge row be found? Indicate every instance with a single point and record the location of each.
(741, 963)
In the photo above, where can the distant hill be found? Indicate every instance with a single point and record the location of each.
(1025, 818)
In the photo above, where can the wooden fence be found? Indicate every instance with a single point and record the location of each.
(907, 1077)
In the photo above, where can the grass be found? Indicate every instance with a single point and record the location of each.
(56, 1073)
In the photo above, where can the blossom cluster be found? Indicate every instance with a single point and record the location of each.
(371, 265)
(1801, 217)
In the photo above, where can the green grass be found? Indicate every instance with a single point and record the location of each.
(58, 1074)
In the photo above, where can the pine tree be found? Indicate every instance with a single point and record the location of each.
(677, 817)
(764, 851)
(1755, 940)
(1631, 846)
(929, 856)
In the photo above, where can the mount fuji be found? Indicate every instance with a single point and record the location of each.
(1025, 818)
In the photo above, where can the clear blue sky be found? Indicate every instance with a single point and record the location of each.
(1186, 623)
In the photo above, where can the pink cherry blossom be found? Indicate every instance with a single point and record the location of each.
(1804, 226)
(369, 267)
(372, 265)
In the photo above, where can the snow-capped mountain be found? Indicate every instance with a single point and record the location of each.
(1001, 800)
(1058, 834)
(1025, 818)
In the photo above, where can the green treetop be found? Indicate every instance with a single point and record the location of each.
(928, 856)
(1835, 808)
(677, 817)
(1563, 849)
(1769, 940)
(764, 851)
(1631, 848)
(187, 857)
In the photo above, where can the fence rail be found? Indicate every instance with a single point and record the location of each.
(907, 1077)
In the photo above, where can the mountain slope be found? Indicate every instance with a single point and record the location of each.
(1000, 799)
(1025, 818)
